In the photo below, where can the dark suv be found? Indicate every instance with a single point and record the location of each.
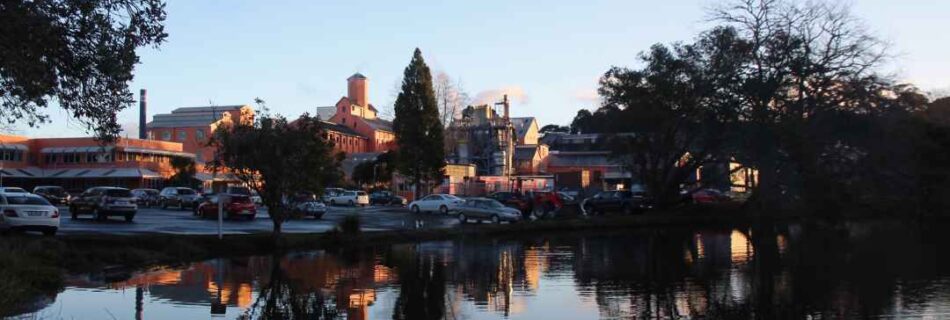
(624, 201)
(178, 196)
(55, 195)
(103, 202)
(386, 198)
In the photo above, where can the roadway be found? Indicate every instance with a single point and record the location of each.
(174, 221)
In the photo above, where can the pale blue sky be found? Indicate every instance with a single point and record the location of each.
(296, 55)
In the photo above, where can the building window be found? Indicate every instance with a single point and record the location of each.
(200, 134)
(166, 135)
(50, 158)
(182, 135)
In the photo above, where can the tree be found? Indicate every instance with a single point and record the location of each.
(184, 172)
(277, 158)
(554, 128)
(678, 122)
(80, 54)
(450, 96)
(419, 133)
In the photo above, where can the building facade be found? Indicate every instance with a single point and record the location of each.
(193, 126)
(356, 113)
(80, 163)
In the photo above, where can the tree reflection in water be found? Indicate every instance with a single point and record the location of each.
(282, 298)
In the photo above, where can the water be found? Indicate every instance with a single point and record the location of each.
(880, 269)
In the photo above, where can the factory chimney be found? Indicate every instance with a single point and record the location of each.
(143, 133)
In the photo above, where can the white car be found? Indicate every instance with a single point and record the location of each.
(442, 203)
(351, 198)
(14, 190)
(24, 211)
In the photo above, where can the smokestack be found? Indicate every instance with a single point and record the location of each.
(506, 106)
(143, 133)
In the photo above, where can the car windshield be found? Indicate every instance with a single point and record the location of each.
(361, 193)
(53, 190)
(28, 201)
(186, 191)
(118, 193)
(240, 190)
(494, 204)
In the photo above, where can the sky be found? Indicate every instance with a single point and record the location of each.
(548, 55)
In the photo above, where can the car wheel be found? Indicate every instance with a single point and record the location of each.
(589, 209)
(351, 203)
(415, 209)
(129, 217)
(164, 204)
(462, 218)
(73, 213)
(332, 202)
(495, 220)
(444, 210)
(50, 232)
(99, 215)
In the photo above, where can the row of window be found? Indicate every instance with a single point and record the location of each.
(181, 136)
(12, 155)
(69, 158)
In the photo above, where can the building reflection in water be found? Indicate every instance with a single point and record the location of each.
(767, 272)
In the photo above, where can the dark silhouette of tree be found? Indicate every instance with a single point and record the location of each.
(80, 54)
(554, 128)
(184, 172)
(418, 129)
(277, 158)
(422, 285)
(281, 298)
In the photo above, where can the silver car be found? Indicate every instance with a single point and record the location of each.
(482, 209)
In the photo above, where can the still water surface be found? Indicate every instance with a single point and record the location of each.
(846, 270)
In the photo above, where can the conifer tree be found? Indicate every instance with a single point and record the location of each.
(418, 128)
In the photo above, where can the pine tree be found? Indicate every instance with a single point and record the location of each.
(418, 128)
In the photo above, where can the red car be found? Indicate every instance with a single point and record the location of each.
(236, 206)
(710, 196)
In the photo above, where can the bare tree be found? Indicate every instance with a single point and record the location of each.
(450, 96)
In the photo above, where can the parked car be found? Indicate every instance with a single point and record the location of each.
(23, 211)
(351, 198)
(442, 203)
(513, 199)
(482, 209)
(13, 190)
(310, 208)
(103, 202)
(244, 191)
(625, 201)
(709, 196)
(386, 198)
(54, 194)
(146, 197)
(180, 197)
(235, 206)
(330, 193)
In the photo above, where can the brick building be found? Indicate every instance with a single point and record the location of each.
(79, 163)
(193, 126)
(355, 112)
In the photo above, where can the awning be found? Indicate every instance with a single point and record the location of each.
(76, 149)
(14, 146)
(159, 152)
(29, 172)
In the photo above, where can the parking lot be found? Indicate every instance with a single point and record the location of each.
(175, 221)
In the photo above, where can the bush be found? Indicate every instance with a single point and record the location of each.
(350, 225)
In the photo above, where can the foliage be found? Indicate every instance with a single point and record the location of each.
(377, 171)
(784, 88)
(184, 172)
(554, 128)
(277, 158)
(79, 54)
(350, 225)
(419, 133)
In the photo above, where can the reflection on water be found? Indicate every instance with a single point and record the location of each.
(848, 270)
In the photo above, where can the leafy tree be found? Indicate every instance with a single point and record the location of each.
(419, 132)
(79, 54)
(679, 123)
(554, 128)
(184, 172)
(277, 158)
